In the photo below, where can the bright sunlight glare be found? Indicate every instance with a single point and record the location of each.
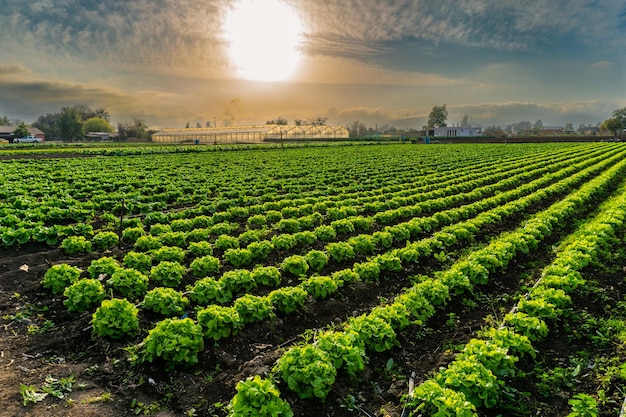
(264, 39)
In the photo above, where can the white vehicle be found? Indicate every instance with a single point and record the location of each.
(27, 139)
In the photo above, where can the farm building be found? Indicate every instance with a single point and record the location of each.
(452, 131)
(250, 134)
(6, 132)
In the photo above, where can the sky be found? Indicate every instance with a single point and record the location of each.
(243, 62)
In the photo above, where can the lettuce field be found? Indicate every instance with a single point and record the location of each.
(336, 280)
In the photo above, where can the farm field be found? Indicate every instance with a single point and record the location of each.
(487, 280)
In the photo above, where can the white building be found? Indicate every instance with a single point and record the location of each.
(452, 131)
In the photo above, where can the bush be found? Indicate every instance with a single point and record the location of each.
(168, 274)
(165, 301)
(75, 245)
(58, 277)
(176, 341)
(105, 240)
(115, 318)
(83, 295)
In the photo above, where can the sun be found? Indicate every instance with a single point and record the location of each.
(264, 39)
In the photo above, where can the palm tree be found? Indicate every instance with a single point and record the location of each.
(103, 114)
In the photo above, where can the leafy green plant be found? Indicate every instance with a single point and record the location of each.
(492, 356)
(165, 301)
(178, 342)
(225, 242)
(288, 226)
(363, 244)
(388, 262)
(105, 240)
(325, 233)
(320, 286)
(375, 332)
(432, 399)
(238, 257)
(305, 238)
(205, 266)
(345, 275)
(75, 245)
(178, 239)
(308, 371)
(60, 276)
(260, 250)
(284, 242)
(340, 251)
(115, 318)
(140, 261)
(56, 387)
(168, 274)
(169, 253)
(131, 235)
(253, 308)
(316, 259)
(208, 290)
(258, 397)
(369, 271)
(238, 280)
(532, 327)
(146, 243)
(197, 249)
(267, 275)
(83, 295)
(477, 383)
(295, 264)
(129, 283)
(288, 299)
(103, 266)
(345, 349)
(583, 405)
(218, 322)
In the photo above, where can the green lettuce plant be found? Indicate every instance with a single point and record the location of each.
(288, 299)
(177, 341)
(115, 318)
(168, 274)
(165, 301)
(103, 266)
(129, 283)
(140, 261)
(208, 290)
(83, 295)
(308, 371)
(295, 264)
(60, 276)
(105, 240)
(253, 308)
(76, 245)
(205, 266)
(258, 397)
(218, 322)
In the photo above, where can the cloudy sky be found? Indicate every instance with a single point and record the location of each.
(169, 62)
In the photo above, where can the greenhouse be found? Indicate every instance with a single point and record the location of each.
(250, 134)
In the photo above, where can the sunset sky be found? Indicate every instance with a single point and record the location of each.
(169, 62)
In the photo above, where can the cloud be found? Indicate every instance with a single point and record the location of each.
(601, 64)
(13, 70)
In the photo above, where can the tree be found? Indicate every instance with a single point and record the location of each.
(438, 117)
(620, 114)
(277, 121)
(466, 121)
(356, 129)
(538, 126)
(137, 129)
(21, 131)
(614, 124)
(4, 121)
(49, 125)
(493, 131)
(102, 113)
(299, 122)
(569, 127)
(70, 124)
(97, 124)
